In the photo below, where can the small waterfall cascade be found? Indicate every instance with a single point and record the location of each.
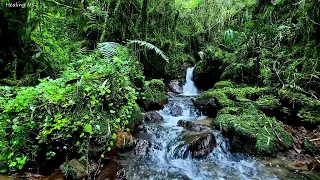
(189, 88)
(166, 158)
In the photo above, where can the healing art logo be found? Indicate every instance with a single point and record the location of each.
(17, 4)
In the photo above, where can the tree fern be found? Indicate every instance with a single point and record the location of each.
(151, 47)
(109, 49)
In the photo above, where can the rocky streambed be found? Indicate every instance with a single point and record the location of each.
(179, 142)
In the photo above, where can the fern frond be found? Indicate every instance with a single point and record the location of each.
(151, 47)
(108, 49)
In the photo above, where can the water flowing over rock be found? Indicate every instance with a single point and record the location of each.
(174, 86)
(191, 126)
(176, 111)
(152, 117)
(193, 152)
(142, 147)
(202, 146)
(171, 94)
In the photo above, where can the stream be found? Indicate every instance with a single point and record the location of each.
(167, 157)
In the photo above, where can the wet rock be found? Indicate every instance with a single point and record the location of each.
(293, 156)
(176, 110)
(3, 177)
(174, 86)
(113, 171)
(302, 129)
(79, 169)
(171, 94)
(202, 146)
(314, 165)
(152, 117)
(56, 175)
(204, 122)
(190, 125)
(142, 147)
(112, 154)
(124, 139)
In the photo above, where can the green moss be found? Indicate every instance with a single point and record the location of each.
(251, 128)
(310, 147)
(223, 84)
(307, 107)
(154, 92)
(228, 96)
(268, 102)
(238, 114)
(293, 97)
(136, 118)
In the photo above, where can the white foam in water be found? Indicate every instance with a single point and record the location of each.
(189, 88)
(166, 158)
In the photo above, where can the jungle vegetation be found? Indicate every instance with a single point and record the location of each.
(74, 72)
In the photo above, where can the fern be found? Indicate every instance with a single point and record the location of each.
(109, 49)
(151, 47)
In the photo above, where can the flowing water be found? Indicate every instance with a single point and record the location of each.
(189, 88)
(167, 158)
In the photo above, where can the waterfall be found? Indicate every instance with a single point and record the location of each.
(189, 88)
(166, 158)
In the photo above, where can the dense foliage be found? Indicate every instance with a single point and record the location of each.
(73, 73)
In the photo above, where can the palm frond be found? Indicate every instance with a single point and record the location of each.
(151, 47)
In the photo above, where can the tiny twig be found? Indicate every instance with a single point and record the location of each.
(317, 139)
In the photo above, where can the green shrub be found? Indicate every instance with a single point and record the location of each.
(154, 93)
(90, 101)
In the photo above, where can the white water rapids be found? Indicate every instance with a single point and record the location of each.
(167, 157)
(189, 88)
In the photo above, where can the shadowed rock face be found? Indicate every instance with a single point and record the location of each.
(113, 171)
(152, 117)
(202, 146)
(174, 86)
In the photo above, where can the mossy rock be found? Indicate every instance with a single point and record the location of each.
(310, 147)
(252, 132)
(302, 109)
(154, 95)
(223, 84)
(268, 102)
(214, 99)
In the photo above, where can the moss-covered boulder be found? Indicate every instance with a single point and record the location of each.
(299, 109)
(241, 114)
(251, 131)
(218, 98)
(154, 96)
